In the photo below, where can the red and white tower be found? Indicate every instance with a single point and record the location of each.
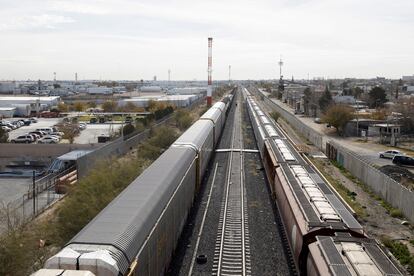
(209, 70)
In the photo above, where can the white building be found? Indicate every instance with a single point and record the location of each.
(176, 100)
(25, 105)
(150, 89)
(7, 87)
(7, 112)
(99, 90)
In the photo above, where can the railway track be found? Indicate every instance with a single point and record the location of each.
(232, 251)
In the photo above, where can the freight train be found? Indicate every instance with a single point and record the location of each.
(323, 234)
(137, 233)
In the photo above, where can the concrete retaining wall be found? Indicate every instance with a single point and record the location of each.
(390, 190)
(115, 148)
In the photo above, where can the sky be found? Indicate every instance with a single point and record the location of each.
(132, 40)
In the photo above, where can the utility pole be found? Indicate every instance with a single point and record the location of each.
(34, 193)
(229, 74)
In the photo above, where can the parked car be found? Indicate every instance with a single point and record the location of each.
(403, 160)
(93, 120)
(82, 126)
(57, 133)
(40, 133)
(53, 136)
(317, 120)
(49, 114)
(48, 130)
(33, 120)
(390, 153)
(22, 139)
(27, 122)
(35, 135)
(48, 140)
(6, 128)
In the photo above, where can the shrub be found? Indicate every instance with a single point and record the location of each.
(183, 119)
(128, 129)
(275, 115)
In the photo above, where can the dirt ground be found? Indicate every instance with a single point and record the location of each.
(377, 221)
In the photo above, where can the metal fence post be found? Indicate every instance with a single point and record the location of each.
(34, 193)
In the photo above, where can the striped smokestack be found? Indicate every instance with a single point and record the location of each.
(209, 70)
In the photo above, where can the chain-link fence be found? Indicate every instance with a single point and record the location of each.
(42, 193)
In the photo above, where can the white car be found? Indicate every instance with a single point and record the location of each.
(390, 154)
(6, 128)
(48, 140)
(82, 126)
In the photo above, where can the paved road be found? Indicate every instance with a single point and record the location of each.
(13, 188)
(92, 131)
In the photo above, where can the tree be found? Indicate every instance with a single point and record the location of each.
(92, 104)
(79, 106)
(3, 136)
(307, 99)
(377, 97)
(129, 107)
(405, 108)
(325, 100)
(62, 107)
(357, 91)
(109, 106)
(338, 116)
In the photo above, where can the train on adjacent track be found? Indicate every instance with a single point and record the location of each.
(323, 234)
(137, 233)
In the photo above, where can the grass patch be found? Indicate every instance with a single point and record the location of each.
(401, 252)
(394, 212)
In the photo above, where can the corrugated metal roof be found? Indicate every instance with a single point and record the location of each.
(195, 135)
(128, 219)
(74, 155)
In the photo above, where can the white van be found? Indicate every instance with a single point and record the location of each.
(48, 130)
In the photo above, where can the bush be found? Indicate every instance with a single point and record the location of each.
(4, 136)
(128, 129)
(396, 213)
(183, 119)
(275, 115)
(401, 252)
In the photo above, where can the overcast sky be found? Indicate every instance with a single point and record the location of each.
(126, 39)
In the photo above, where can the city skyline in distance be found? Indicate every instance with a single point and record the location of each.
(128, 40)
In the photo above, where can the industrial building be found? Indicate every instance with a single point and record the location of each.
(8, 87)
(23, 106)
(176, 100)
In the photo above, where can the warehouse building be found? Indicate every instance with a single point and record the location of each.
(176, 100)
(25, 105)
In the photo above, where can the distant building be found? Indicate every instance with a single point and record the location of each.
(156, 89)
(176, 100)
(99, 90)
(25, 105)
(7, 87)
(408, 78)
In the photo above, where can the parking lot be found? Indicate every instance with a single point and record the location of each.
(41, 123)
(92, 131)
(86, 136)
